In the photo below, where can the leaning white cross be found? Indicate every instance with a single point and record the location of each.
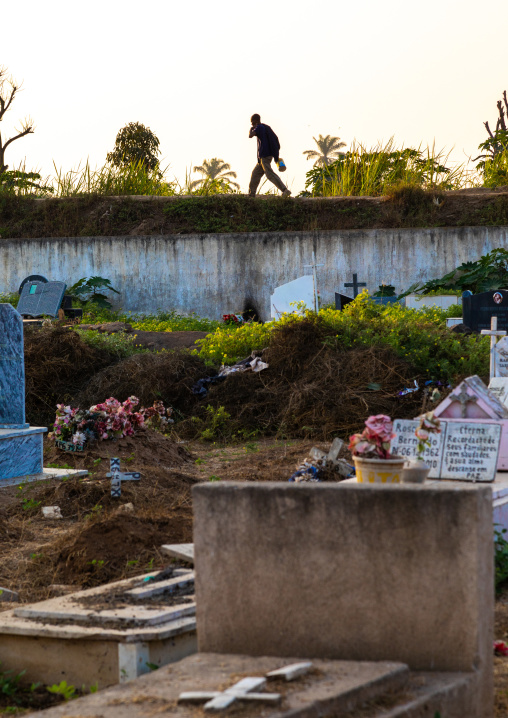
(248, 689)
(118, 476)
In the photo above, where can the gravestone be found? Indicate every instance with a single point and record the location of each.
(462, 451)
(478, 309)
(299, 290)
(472, 403)
(41, 298)
(499, 387)
(341, 300)
(20, 443)
(405, 444)
(501, 358)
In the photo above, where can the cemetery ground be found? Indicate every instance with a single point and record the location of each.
(320, 382)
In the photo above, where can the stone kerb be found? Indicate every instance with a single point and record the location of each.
(352, 572)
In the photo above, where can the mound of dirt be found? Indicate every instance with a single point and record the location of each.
(99, 551)
(165, 376)
(312, 388)
(58, 364)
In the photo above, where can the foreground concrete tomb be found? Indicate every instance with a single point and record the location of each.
(401, 573)
(103, 635)
(330, 690)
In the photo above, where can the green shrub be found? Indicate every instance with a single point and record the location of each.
(418, 335)
(118, 343)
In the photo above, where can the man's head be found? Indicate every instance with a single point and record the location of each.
(255, 120)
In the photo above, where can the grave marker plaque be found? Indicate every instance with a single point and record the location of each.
(478, 309)
(405, 445)
(501, 357)
(499, 387)
(470, 451)
(41, 298)
(12, 369)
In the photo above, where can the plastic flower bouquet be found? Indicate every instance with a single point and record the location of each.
(375, 440)
(429, 424)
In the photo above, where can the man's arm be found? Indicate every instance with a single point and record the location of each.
(253, 131)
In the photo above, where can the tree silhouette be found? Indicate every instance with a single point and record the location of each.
(328, 150)
(214, 170)
(8, 90)
(137, 144)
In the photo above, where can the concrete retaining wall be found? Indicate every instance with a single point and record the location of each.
(215, 274)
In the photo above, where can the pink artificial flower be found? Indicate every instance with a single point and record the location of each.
(380, 426)
(422, 434)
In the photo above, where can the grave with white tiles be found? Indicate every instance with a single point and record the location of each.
(105, 635)
(20, 444)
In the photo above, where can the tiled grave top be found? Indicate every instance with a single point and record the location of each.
(131, 616)
(12, 369)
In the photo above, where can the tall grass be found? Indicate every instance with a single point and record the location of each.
(371, 172)
(133, 179)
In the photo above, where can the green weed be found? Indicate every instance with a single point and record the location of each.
(64, 689)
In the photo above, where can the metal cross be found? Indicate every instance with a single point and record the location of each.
(355, 284)
(464, 398)
(314, 274)
(494, 335)
(248, 689)
(118, 476)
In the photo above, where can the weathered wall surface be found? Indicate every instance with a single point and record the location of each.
(215, 274)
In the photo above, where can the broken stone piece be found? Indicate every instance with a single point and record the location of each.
(289, 673)
(52, 512)
(7, 595)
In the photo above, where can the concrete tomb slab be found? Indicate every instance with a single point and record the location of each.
(346, 571)
(182, 551)
(332, 688)
(107, 634)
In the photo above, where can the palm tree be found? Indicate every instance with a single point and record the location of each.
(215, 169)
(328, 150)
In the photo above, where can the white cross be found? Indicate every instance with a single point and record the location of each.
(245, 690)
(494, 335)
(314, 274)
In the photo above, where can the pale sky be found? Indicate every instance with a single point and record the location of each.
(194, 72)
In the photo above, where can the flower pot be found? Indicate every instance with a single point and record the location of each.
(378, 471)
(415, 472)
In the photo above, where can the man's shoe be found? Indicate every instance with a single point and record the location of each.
(286, 193)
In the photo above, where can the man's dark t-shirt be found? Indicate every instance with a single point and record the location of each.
(268, 142)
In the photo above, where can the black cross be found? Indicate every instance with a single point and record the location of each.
(355, 284)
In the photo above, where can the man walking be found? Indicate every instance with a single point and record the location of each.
(268, 150)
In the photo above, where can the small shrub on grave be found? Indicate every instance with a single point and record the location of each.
(91, 291)
(119, 344)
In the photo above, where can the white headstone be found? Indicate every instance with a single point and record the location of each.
(499, 387)
(470, 451)
(501, 358)
(464, 450)
(405, 444)
(299, 290)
